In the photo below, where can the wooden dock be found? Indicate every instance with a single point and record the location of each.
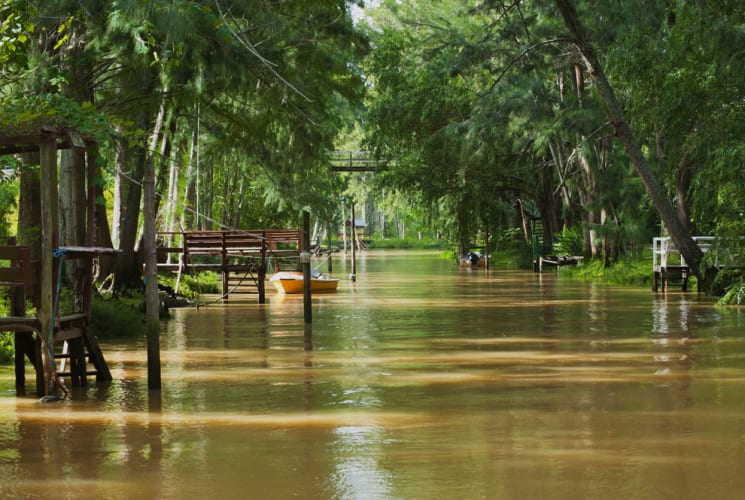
(669, 266)
(242, 257)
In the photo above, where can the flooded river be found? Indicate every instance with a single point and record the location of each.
(425, 381)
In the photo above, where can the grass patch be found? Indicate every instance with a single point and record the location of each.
(627, 271)
(192, 286)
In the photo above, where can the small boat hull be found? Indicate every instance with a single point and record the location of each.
(292, 283)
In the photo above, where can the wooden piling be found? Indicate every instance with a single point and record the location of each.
(48, 160)
(307, 302)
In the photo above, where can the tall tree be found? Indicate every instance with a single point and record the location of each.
(678, 231)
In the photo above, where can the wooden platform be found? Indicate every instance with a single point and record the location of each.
(241, 257)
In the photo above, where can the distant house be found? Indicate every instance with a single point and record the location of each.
(360, 228)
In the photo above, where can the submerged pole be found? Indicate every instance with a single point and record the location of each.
(353, 226)
(305, 259)
(328, 235)
(152, 301)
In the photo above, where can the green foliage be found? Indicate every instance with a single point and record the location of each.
(569, 242)
(735, 295)
(15, 29)
(193, 286)
(6, 347)
(26, 114)
(120, 317)
(627, 271)
(510, 250)
(8, 196)
(729, 284)
(408, 244)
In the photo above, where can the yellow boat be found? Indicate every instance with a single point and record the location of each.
(292, 282)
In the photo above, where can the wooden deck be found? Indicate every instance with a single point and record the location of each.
(241, 257)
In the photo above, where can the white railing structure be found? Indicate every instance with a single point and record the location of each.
(664, 247)
(669, 264)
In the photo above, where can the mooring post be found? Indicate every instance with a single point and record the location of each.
(152, 300)
(305, 259)
(328, 234)
(353, 276)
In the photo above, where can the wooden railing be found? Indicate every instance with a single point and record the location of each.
(229, 252)
(227, 244)
(665, 254)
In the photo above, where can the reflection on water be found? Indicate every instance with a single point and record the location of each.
(424, 381)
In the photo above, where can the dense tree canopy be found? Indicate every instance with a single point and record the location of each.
(494, 113)
(495, 103)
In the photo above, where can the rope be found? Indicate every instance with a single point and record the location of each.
(223, 296)
(171, 203)
(49, 342)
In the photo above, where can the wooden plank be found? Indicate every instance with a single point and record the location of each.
(19, 324)
(96, 356)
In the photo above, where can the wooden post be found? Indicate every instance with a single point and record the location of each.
(78, 374)
(328, 234)
(262, 271)
(305, 257)
(224, 267)
(307, 303)
(344, 228)
(353, 276)
(486, 248)
(48, 165)
(152, 302)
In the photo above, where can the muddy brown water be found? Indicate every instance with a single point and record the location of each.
(425, 381)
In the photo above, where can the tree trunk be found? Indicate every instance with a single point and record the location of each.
(236, 221)
(188, 216)
(547, 204)
(162, 166)
(120, 182)
(29, 206)
(72, 201)
(688, 248)
(127, 272)
(561, 168)
(682, 185)
(172, 203)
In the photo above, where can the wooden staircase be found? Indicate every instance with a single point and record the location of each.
(243, 282)
(79, 357)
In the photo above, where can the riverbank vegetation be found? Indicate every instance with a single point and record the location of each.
(545, 128)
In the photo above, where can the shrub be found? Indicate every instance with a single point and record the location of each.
(119, 317)
(6, 347)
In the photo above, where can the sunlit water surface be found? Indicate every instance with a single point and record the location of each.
(425, 381)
